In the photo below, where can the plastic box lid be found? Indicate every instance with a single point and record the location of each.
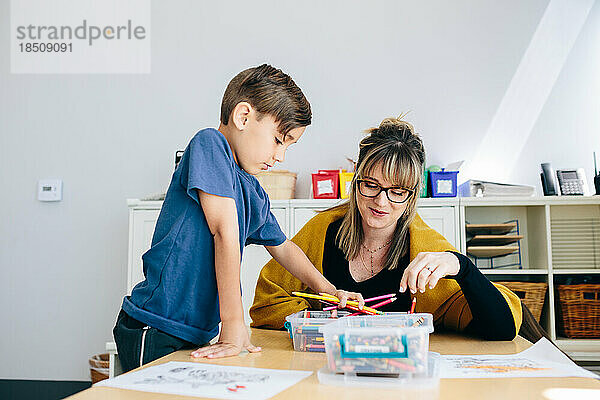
(420, 321)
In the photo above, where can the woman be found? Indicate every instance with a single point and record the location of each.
(376, 244)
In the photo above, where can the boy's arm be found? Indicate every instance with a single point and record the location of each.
(293, 259)
(221, 216)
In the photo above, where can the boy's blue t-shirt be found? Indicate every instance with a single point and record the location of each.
(179, 295)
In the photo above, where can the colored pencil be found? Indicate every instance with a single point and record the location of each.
(330, 306)
(385, 296)
(364, 310)
(328, 295)
(383, 303)
(412, 307)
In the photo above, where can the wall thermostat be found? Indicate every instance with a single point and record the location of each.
(50, 190)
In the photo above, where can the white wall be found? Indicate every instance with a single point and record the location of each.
(568, 128)
(112, 137)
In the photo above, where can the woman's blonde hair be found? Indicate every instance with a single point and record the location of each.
(398, 151)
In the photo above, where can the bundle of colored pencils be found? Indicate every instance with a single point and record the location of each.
(332, 302)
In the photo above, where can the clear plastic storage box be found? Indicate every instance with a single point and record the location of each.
(304, 328)
(395, 344)
(421, 386)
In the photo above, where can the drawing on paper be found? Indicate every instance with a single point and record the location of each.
(198, 376)
(208, 380)
(543, 359)
(499, 365)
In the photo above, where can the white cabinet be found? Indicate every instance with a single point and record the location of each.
(301, 211)
(253, 260)
(442, 220)
(142, 219)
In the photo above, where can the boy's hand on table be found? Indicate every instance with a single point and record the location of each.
(232, 340)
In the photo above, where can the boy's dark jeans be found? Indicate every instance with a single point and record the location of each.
(131, 335)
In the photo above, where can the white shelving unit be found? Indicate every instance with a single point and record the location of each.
(578, 247)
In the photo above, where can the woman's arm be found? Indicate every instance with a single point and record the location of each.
(449, 304)
(492, 316)
(475, 304)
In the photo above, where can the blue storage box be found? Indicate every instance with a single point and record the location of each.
(443, 183)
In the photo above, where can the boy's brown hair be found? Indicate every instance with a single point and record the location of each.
(270, 91)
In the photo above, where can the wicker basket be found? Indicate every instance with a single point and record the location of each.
(99, 367)
(279, 185)
(580, 310)
(532, 294)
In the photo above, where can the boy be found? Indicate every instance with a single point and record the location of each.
(213, 208)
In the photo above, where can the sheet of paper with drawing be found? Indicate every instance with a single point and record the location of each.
(540, 360)
(208, 380)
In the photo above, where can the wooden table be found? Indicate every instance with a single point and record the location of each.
(277, 353)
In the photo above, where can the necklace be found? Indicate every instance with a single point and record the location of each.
(371, 252)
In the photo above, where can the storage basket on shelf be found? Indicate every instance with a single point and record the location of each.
(532, 294)
(99, 367)
(279, 185)
(580, 310)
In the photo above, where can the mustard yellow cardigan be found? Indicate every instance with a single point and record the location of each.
(273, 300)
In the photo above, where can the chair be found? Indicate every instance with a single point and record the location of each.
(532, 330)
(530, 327)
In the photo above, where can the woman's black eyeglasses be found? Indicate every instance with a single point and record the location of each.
(395, 194)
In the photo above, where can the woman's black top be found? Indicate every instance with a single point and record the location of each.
(492, 317)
